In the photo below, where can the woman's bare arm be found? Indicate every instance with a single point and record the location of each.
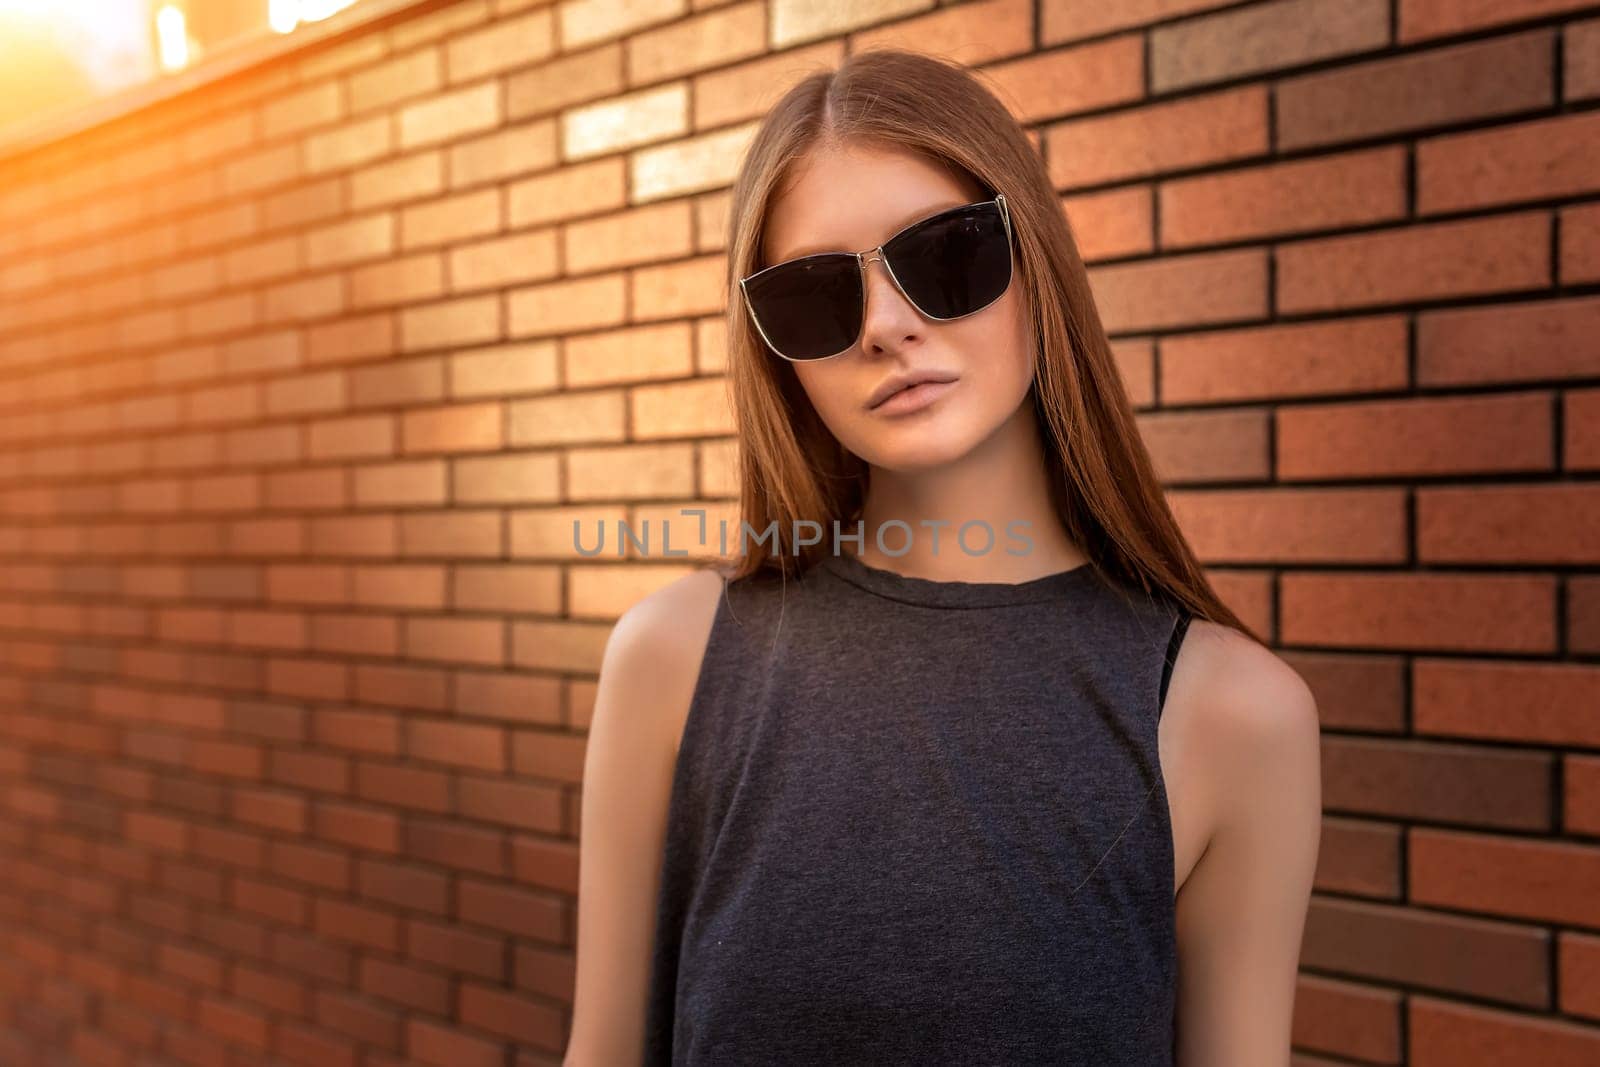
(647, 677)
(1242, 911)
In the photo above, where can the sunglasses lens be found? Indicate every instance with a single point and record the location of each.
(955, 263)
(808, 308)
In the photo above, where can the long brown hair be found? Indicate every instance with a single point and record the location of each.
(792, 468)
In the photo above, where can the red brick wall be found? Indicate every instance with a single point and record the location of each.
(303, 377)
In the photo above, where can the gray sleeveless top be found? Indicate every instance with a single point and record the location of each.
(921, 822)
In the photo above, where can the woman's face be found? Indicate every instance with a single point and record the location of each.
(855, 198)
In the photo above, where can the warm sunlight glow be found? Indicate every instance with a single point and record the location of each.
(284, 15)
(172, 35)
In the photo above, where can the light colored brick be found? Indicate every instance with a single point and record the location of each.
(303, 299)
(798, 21)
(606, 590)
(709, 161)
(548, 533)
(750, 89)
(586, 22)
(315, 106)
(349, 145)
(475, 427)
(397, 281)
(450, 115)
(626, 121)
(400, 484)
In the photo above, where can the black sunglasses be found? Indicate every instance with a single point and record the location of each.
(948, 265)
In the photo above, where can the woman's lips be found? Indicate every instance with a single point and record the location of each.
(914, 398)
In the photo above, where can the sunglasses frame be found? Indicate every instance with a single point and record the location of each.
(865, 256)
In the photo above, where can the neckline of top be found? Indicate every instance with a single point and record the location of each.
(933, 592)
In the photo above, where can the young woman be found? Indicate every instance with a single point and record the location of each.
(999, 779)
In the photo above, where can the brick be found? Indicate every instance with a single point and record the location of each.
(1417, 612)
(451, 219)
(1264, 37)
(1581, 813)
(1482, 80)
(1472, 1036)
(437, 24)
(1434, 261)
(641, 235)
(518, 479)
(692, 287)
(261, 260)
(400, 484)
(1504, 343)
(1328, 192)
(516, 588)
(365, 237)
(1508, 962)
(562, 307)
(1156, 138)
(1294, 525)
(1349, 355)
(506, 154)
(473, 427)
(1422, 19)
(709, 161)
(570, 192)
(585, 22)
(361, 436)
(1416, 436)
(318, 105)
(456, 533)
(1070, 80)
(1207, 446)
(1116, 222)
(475, 642)
(1519, 702)
(1346, 1018)
(564, 81)
(315, 202)
(630, 472)
(698, 408)
(1580, 244)
(568, 418)
(261, 170)
(1359, 857)
(469, 320)
(507, 43)
(1580, 417)
(406, 77)
(795, 21)
(696, 43)
(1580, 49)
(1438, 782)
(979, 33)
(450, 115)
(1541, 880)
(439, 1046)
(522, 257)
(1069, 20)
(748, 90)
(1181, 290)
(626, 121)
(300, 301)
(349, 145)
(639, 353)
(1539, 160)
(504, 370)
(407, 178)
(1551, 523)
(397, 382)
(322, 62)
(397, 281)
(559, 646)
